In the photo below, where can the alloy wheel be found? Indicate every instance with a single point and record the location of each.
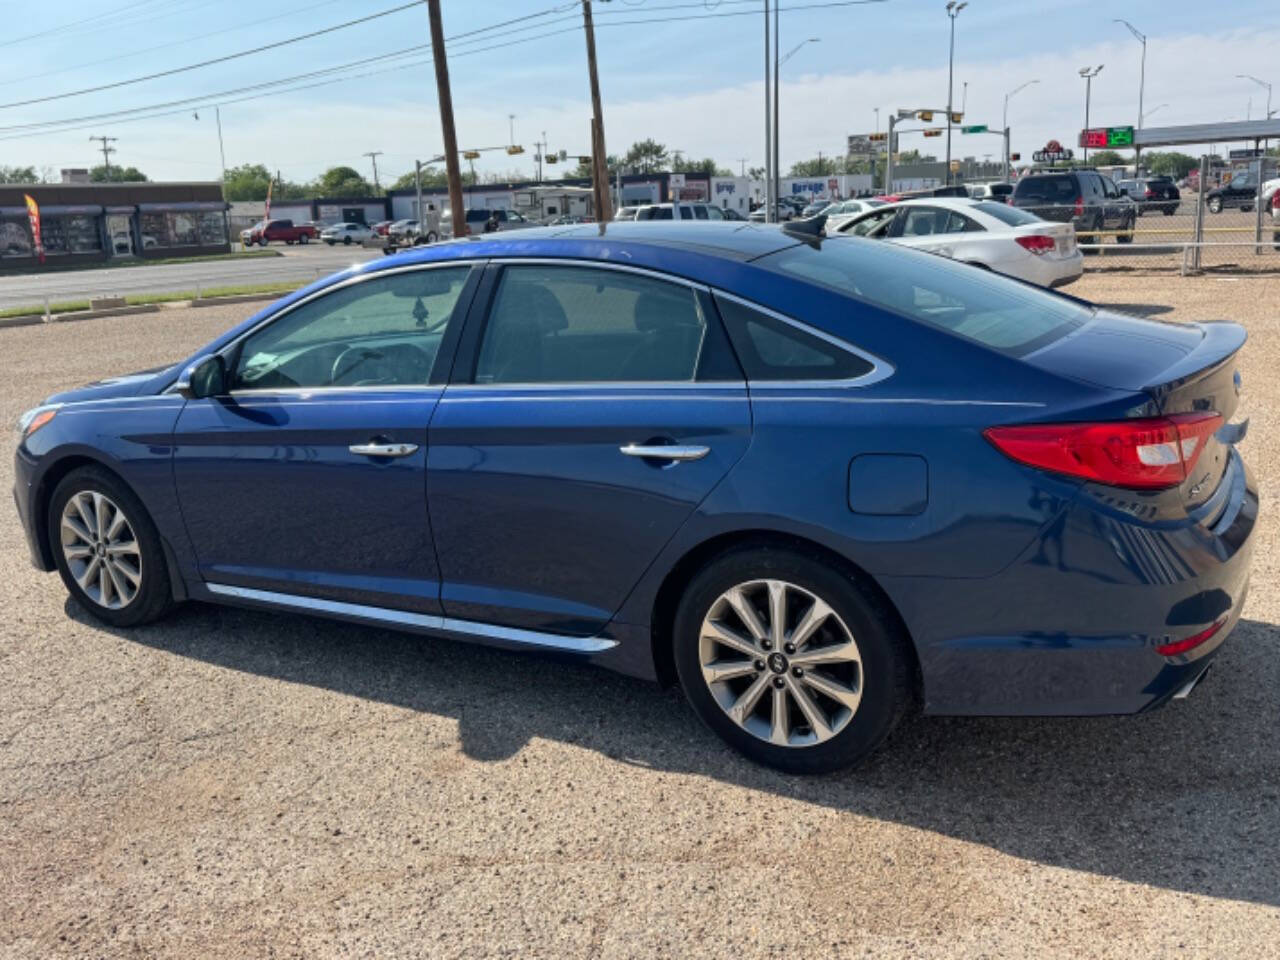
(780, 662)
(101, 550)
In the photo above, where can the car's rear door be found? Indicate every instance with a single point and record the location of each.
(590, 410)
(307, 477)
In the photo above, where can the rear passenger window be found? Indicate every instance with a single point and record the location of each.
(700, 213)
(772, 349)
(552, 324)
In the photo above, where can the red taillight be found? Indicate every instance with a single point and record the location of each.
(1189, 643)
(1036, 243)
(1150, 194)
(1150, 454)
(1079, 209)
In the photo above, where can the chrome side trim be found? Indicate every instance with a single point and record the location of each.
(881, 369)
(426, 621)
(589, 263)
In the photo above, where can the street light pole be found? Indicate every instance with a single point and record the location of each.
(953, 11)
(768, 125)
(777, 96)
(1142, 82)
(1005, 125)
(1088, 75)
(1261, 83)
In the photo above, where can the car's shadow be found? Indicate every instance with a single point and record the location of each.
(1185, 798)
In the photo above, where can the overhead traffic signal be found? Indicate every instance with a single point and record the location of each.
(933, 133)
(877, 136)
(1015, 157)
(925, 115)
(514, 149)
(470, 154)
(957, 117)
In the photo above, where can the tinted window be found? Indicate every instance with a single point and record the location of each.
(551, 324)
(978, 305)
(686, 212)
(699, 213)
(382, 332)
(1056, 188)
(771, 349)
(1006, 214)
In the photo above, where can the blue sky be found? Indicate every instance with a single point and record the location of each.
(693, 83)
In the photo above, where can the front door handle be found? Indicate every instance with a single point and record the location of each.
(383, 449)
(665, 451)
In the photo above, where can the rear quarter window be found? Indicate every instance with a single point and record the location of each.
(983, 307)
(1051, 189)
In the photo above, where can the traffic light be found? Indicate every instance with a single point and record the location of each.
(553, 158)
(514, 149)
(925, 115)
(585, 160)
(1015, 157)
(957, 117)
(933, 133)
(877, 137)
(470, 154)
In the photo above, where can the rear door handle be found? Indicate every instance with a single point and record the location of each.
(383, 449)
(665, 451)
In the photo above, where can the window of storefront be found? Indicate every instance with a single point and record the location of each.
(182, 228)
(15, 237)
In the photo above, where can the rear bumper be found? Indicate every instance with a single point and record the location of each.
(1071, 628)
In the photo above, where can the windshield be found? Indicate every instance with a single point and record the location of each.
(983, 307)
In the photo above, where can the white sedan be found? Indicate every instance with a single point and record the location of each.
(346, 233)
(842, 211)
(990, 235)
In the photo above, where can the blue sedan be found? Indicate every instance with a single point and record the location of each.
(819, 483)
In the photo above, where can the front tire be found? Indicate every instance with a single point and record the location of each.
(304, 239)
(107, 549)
(330, 242)
(346, 241)
(790, 661)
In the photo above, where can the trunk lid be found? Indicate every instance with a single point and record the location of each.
(1181, 367)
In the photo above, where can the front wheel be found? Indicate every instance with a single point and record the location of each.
(346, 241)
(431, 236)
(304, 239)
(790, 661)
(107, 549)
(262, 241)
(330, 242)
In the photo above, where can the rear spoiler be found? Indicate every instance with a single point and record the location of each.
(1222, 340)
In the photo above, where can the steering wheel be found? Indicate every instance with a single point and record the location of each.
(351, 359)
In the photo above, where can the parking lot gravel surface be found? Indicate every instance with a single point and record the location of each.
(239, 784)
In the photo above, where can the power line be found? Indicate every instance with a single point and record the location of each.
(124, 116)
(207, 63)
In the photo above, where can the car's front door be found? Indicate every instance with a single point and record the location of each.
(590, 411)
(308, 475)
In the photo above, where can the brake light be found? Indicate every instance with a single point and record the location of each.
(1079, 209)
(1148, 454)
(1190, 643)
(1149, 194)
(1036, 243)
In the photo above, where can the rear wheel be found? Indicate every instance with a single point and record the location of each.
(330, 242)
(107, 549)
(304, 239)
(1215, 204)
(347, 240)
(789, 661)
(1127, 237)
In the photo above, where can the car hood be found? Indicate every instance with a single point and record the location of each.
(128, 385)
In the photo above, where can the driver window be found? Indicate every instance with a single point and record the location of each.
(382, 332)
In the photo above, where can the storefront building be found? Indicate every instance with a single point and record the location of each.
(88, 223)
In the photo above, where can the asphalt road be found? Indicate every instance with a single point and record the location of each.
(228, 783)
(299, 265)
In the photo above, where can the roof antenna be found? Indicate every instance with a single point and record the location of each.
(806, 229)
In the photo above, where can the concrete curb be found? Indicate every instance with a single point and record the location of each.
(32, 319)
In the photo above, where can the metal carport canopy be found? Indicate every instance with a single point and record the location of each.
(1206, 133)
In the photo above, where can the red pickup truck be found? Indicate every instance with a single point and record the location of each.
(272, 230)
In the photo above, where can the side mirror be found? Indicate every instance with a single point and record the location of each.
(206, 377)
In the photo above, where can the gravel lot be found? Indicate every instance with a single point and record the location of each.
(239, 784)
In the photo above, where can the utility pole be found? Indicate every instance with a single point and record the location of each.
(417, 181)
(222, 153)
(599, 168)
(373, 155)
(769, 200)
(107, 151)
(446, 120)
(742, 169)
(542, 149)
(777, 94)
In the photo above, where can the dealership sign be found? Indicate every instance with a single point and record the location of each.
(1052, 153)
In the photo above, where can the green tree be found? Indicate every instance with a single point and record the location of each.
(817, 167)
(706, 166)
(342, 182)
(246, 182)
(648, 156)
(431, 177)
(18, 175)
(1170, 163)
(104, 174)
(755, 173)
(1106, 158)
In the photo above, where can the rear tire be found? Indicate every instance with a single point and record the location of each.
(107, 549)
(1215, 205)
(346, 241)
(304, 239)
(835, 710)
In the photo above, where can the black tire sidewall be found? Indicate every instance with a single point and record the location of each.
(886, 688)
(156, 594)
